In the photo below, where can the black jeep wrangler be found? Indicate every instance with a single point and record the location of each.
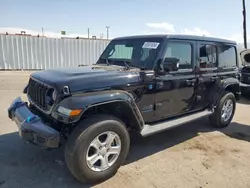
(146, 84)
(245, 72)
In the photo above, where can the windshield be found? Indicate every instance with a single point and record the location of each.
(139, 52)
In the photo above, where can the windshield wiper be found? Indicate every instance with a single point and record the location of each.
(104, 59)
(128, 67)
(107, 61)
(137, 66)
(124, 61)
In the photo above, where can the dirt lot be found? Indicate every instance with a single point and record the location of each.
(193, 155)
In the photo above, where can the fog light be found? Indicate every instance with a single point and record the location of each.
(30, 119)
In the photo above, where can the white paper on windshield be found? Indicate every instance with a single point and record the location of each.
(151, 45)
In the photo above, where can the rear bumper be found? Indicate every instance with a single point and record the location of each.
(31, 128)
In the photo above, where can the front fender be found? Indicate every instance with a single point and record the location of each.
(87, 100)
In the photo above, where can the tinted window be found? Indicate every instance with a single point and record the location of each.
(227, 56)
(208, 56)
(182, 51)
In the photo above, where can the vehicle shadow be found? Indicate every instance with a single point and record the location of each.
(144, 147)
(24, 165)
(238, 131)
(244, 100)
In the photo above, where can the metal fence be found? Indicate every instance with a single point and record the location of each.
(34, 53)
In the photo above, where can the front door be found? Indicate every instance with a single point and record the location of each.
(175, 91)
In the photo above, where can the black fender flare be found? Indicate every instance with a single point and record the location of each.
(221, 86)
(88, 100)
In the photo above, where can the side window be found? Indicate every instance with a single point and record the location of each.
(227, 56)
(121, 52)
(182, 51)
(208, 56)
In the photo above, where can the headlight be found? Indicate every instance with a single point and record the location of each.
(54, 95)
(69, 112)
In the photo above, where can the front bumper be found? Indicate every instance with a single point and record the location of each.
(31, 128)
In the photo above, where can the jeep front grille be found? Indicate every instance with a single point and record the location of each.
(37, 93)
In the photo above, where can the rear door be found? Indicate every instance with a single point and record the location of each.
(207, 63)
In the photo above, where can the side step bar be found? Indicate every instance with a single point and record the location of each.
(152, 129)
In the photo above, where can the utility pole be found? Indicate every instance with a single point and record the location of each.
(244, 24)
(107, 27)
(88, 33)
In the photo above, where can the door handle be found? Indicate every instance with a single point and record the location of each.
(190, 81)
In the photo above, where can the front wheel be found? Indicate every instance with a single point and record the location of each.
(224, 112)
(97, 148)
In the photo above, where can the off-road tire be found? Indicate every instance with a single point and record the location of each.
(216, 119)
(77, 145)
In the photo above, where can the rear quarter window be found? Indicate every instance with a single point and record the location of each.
(227, 56)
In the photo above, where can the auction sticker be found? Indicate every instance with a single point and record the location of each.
(151, 45)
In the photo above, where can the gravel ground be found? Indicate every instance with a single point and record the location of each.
(193, 155)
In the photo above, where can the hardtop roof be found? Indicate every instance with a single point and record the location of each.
(183, 37)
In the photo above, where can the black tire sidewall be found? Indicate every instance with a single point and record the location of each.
(226, 97)
(87, 136)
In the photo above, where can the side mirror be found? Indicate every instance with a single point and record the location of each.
(171, 64)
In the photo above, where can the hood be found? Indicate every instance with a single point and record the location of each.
(245, 69)
(88, 77)
(245, 57)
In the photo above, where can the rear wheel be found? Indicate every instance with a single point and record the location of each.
(97, 148)
(224, 112)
